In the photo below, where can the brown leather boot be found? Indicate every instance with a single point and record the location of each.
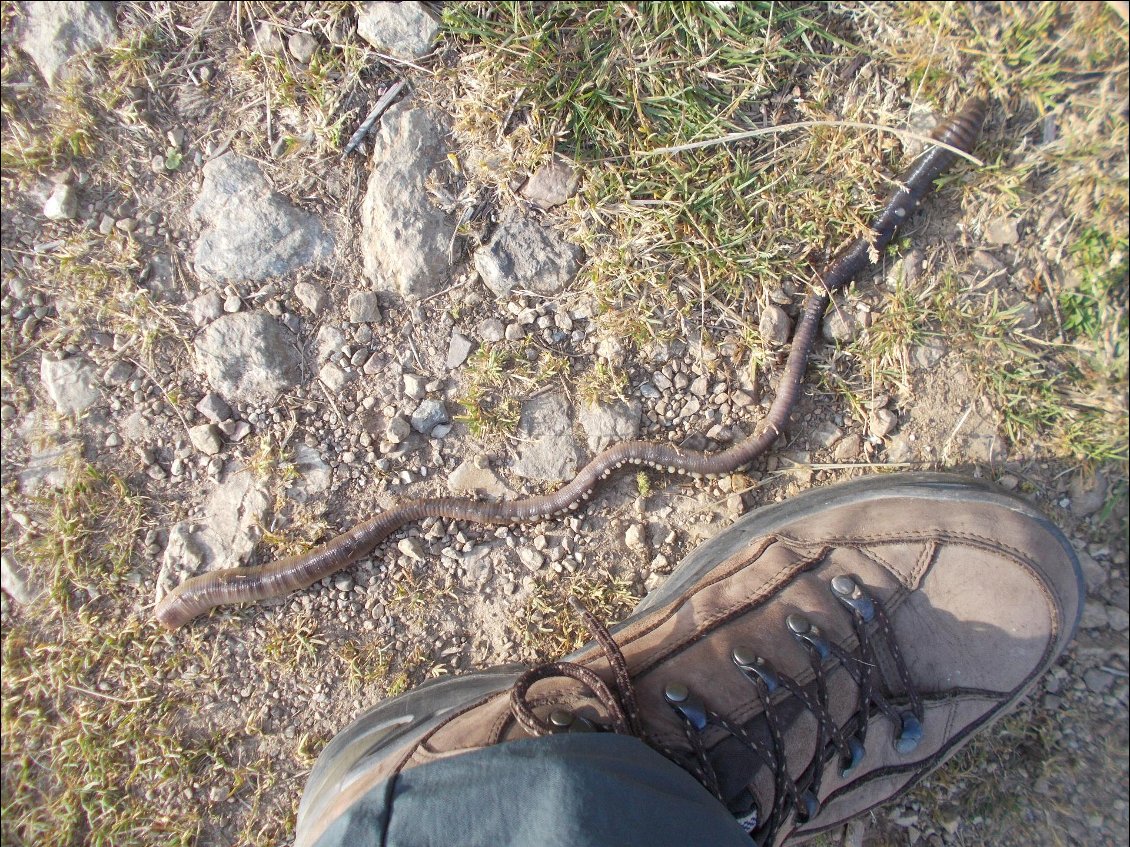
(811, 662)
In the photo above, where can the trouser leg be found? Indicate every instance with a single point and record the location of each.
(572, 790)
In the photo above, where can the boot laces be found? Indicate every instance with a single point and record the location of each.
(793, 797)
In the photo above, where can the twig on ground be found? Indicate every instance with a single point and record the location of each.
(382, 104)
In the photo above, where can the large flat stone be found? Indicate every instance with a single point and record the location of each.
(249, 231)
(406, 238)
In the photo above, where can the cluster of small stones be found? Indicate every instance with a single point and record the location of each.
(22, 310)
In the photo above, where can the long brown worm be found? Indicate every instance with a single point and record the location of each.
(247, 584)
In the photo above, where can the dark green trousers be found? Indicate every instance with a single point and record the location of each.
(578, 790)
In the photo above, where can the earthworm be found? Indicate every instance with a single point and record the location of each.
(247, 584)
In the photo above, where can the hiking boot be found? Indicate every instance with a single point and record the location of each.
(814, 660)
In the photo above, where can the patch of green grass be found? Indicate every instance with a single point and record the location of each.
(85, 533)
(366, 664)
(307, 98)
(31, 146)
(91, 281)
(553, 629)
(271, 461)
(497, 377)
(670, 234)
(1069, 397)
(990, 780)
(602, 383)
(100, 744)
(620, 80)
(1095, 309)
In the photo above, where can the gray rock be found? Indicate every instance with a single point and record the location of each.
(1087, 493)
(548, 450)
(1097, 681)
(406, 238)
(248, 357)
(314, 475)
(825, 434)
(491, 330)
(523, 254)
(840, 325)
(1094, 574)
(532, 559)
(214, 408)
(248, 231)
(413, 548)
(62, 205)
(848, 448)
(329, 340)
(54, 33)
(267, 39)
(206, 439)
(234, 514)
(774, 326)
(117, 374)
(470, 478)
(47, 466)
(428, 415)
(404, 30)
(415, 386)
(16, 582)
(1119, 619)
(1094, 615)
(1002, 232)
(237, 510)
(206, 308)
(986, 261)
(333, 377)
(364, 307)
(134, 427)
(71, 383)
(398, 429)
(302, 46)
(899, 449)
(477, 567)
(928, 353)
(882, 422)
(552, 184)
(312, 296)
(610, 423)
(159, 276)
(458, 349)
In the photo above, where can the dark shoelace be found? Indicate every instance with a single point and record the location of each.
(843, 743)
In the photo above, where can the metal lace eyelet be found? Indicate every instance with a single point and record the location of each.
(808, 633)
(849, 592)
(686, 703)
(562, 720)
(810, 807)
(755, 668)
(910, 734)
(858, 751)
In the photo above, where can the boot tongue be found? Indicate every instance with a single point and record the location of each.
(748, 782)
(744, 777)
